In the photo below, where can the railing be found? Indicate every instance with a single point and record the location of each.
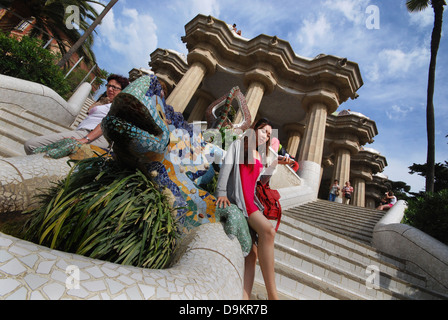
(421, 252)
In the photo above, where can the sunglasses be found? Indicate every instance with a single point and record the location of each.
(113, 87)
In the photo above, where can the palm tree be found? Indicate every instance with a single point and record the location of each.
(87, 34)
(49, 21)
(437, 5)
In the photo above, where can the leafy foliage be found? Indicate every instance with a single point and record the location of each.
(104, 212)
(50, 17)
(440, 176)
(429, 213)
(74, 79)
(25, 59)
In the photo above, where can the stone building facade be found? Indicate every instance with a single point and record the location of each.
(300, 96)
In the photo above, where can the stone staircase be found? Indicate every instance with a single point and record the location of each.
(322, 252)
(354, 222)
(17, 125)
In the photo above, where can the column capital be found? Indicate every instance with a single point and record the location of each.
(361, 174)
(294, 127)
(262, 76)
(322, 96)
(352, 146)
(204, 57)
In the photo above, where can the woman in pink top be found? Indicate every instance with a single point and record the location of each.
(243, 186)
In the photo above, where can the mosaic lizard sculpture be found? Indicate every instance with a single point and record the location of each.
(218, 118)
(147, 134)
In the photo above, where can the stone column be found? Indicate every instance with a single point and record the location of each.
(254, 96)
(361, 175)
(344, 148)
(295, 131)
(313, 140)
(258, 82)
(317, 104)
(359, 192)
(201, 63)
(200, 109)
(370, 203)
(326, 162)
(342, 166)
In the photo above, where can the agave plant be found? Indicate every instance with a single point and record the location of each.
(104, 212)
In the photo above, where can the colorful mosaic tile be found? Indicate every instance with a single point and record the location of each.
(148, 134)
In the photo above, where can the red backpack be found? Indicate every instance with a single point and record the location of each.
(270, 199)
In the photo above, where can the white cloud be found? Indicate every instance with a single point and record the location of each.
(210, 7)
(191, 8)
(398, 63)
(312, 34)
(353, 10)
(422, 19)
(131, 35)
(398, 113)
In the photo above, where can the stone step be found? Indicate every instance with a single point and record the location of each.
(11, 141)
(347, 213)
(83, 113)
(8, 152)
(313, 263)
(355, 274)
(18, 125)
(30, 121)
(259, 293)
(337, 242)
(342, 283)
(344, 208)
(344, 257)
(367, 223)
(359, 234)
(298, 284)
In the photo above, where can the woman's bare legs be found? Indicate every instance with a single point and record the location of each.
(265, 250)
(249, 272)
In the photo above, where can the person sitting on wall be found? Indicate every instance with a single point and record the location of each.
(89, 130)
(391, 199)
(284, 157)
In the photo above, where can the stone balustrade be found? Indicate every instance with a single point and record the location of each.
(42, 100)
(421, 252)
(207, 265)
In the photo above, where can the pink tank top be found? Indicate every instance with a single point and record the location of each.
(249, 176)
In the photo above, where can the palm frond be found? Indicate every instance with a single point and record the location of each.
(417, 5)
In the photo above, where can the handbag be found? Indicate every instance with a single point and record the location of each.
(270, 199)
(347, 193)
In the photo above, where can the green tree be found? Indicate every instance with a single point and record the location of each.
(440, 174)
(26, 59)
(50, 21)
(438, 7)
(429, 213)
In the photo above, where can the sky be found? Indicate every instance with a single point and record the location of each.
(391, 46)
